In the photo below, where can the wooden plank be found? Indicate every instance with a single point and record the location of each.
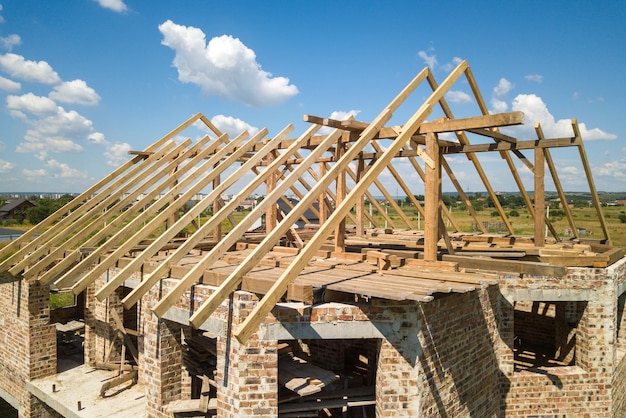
(432, 190)
(592, 186)
(248, 327)
(118, 381)
(539, 198)
(476, 122)
(523, 267)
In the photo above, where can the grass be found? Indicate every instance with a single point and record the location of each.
(62, 300)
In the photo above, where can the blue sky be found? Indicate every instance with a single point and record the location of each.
(84, 81)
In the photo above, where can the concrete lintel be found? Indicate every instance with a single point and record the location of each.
(298, 330)
(549, 295)
(327, 330)
(11, 400)
(180, 316)
(621, 288)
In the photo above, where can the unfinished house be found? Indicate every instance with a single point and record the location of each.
(194, 310)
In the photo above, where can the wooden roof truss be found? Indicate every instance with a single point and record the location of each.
(135, 211)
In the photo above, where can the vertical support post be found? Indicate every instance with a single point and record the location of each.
(322, 198)
(540, 219)
(340, 230)
(174, 217)
(432, 188)
(360, 201)
(217, 232)
(272, 213)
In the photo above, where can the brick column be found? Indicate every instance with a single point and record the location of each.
(101, 329)
(397, 373)
(247, 375)
(161, 369)
(43, 340)
(89, 342)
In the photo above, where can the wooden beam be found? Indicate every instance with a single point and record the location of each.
(557, 182)
(222, 246)
(248, 327)
(432, 188)
(140, 206)
(592, 186)
(539, 197)
(476, 122)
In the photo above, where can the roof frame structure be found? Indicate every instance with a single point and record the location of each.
(134, 212)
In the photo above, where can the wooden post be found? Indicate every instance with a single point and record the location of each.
(322, 198)
(217, 232)
(340, 230)
(432, 188)
(272, 212)
(360, 202)
(540, 219)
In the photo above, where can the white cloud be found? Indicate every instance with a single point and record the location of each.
(115, 5)
(498, 106)
(430, 60)
(75, 91)
(62, 170)
(342, 115)
(223, 67)
(535, 110)
(31, 103)
(451, 65)
(232, 126)
(34, 175)
(117, 153)
(456, 96)
(10, 41)
(1, 18)
(37, 71)
(504, 86)
(9, 85)
(534, 77)
(6, 166)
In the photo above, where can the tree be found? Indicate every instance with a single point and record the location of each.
(45, 207)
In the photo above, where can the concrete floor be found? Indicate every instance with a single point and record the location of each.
(83, 383)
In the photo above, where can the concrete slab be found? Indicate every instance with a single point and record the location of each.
(82, 384)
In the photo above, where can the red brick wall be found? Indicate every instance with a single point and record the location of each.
(28, 341)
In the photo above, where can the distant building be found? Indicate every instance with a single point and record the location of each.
(15, 209)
